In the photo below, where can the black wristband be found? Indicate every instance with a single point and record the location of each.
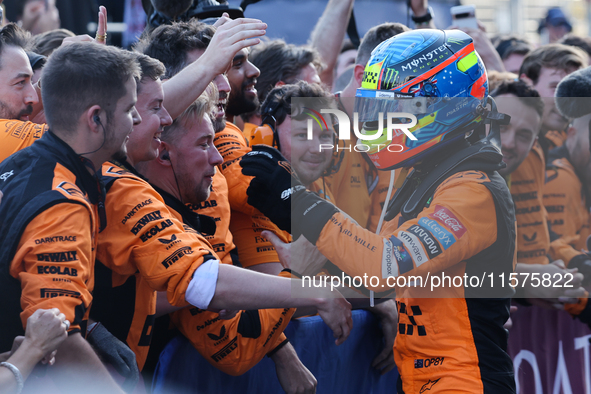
(292, 272)
(277, 348)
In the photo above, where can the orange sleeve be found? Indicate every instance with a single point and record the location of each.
(454, 228)
(232, 146)
(55, 263)
(145, 235)
(252, 248)
(16, 135)
(233, 346)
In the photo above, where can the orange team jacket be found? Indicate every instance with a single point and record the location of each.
(218, 208)
(564, 198)
(145, 248)
(527, 184)
(555, 138)
(49, 231)
(16, 135)
(456, 344)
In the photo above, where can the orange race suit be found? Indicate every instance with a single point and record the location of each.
(145, 248)
(527, 184)
(565, 201)
(48, 230)
(16, 135)
(463, 226)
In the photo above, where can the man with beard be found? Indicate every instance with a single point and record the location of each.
(17, 95)
(53, 205)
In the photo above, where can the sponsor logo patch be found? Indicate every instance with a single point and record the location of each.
(52, 293)
(445, 238)
(401, 255)
(58, 257)
(54, 270)
(229, 348)
(155, 230)
(57, 238)
(414, 247)
(214, 337)
(173, 258)
(147, 218)
(431, 246)
(6, 175)
(446, 217)
(131, 213)
(389, 266)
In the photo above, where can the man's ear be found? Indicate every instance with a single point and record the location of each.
(571, 132)
(525, 79)
(358, 73)
(164, 155)
(92, 119)
(279, 84)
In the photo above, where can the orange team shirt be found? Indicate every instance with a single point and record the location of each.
(147, 247)
(527, 184)
(217, 207)
(16, 135)
(54, 260)
(567, 210)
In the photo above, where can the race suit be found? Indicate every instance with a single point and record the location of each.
(145, 248)
(453, 339)
(48, 231)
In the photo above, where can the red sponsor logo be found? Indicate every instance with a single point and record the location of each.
(450, 220)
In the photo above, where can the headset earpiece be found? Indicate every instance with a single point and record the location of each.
(264, 134)
(97, 119)
(165, 155)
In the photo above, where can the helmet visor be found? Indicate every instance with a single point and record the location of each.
(371, 105)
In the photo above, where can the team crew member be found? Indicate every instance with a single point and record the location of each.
(233, 345)
(543, 69)
(567, 175)
(51, 194)
(525, 161)
(456, 218)
(17, 95)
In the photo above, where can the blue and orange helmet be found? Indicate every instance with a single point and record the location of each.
(435, 75)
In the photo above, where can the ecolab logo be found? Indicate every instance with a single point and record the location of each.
(345, 129)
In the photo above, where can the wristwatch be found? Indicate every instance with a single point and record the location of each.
(419, 20)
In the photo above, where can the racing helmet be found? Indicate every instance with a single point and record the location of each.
(435, 75)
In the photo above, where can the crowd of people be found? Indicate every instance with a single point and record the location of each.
(181, 188)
